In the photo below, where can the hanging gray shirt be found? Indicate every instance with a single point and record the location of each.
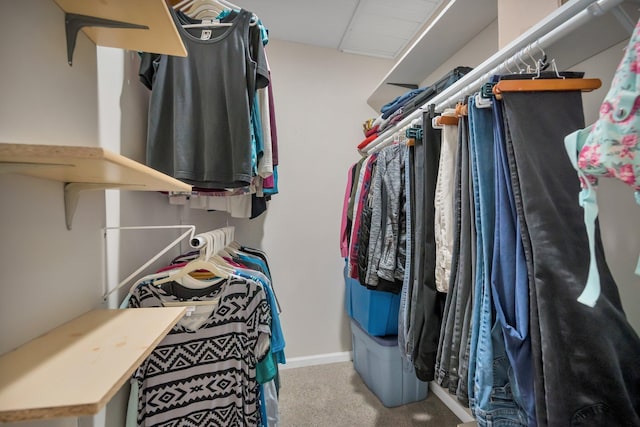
(199, 125)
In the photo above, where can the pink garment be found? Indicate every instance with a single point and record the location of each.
(344, 244)
(172, 267)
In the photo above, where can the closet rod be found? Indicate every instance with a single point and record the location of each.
(557, 25)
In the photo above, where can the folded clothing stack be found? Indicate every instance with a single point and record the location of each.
(394, 111)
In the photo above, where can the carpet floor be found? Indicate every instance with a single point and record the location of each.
(334, 395)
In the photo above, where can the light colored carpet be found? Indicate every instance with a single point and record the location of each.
(334, 395)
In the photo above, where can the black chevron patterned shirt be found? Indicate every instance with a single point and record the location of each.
(203, 372)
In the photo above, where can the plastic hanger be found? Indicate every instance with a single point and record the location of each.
(205, 10)
(211, 265)
(207, 261)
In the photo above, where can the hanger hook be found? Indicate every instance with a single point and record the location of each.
(542, 61)
(554, 66)
(506, 65)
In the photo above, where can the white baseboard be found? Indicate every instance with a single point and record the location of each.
(452, 403)
(318, 359)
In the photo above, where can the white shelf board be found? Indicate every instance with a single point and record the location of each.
(451, 402)
(77, 367)
(457, 25)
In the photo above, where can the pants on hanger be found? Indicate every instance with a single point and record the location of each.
(415, 304)
(407, 283)
(588, 356)
(453, 357)
(509, 279)
(465, 273)
(427, 302)
(492, 402)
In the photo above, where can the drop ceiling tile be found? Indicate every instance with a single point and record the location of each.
(347, 25)
(399, 23)
(304, 21)
(370, 23)
(382, 45)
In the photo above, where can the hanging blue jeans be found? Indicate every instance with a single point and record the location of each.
(588, 356)
(509, 280)
(492, 402)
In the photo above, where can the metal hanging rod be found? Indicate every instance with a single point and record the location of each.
(557, 25)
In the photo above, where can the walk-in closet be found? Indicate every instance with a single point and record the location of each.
(342, 213)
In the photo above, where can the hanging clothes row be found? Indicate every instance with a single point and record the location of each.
(211, 116)
(219, 364)
(498, 258)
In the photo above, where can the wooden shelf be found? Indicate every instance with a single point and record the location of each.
(443, 37)
(83, 168)
(76, 368)
(161, 37)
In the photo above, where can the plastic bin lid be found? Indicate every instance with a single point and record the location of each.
(386, 340)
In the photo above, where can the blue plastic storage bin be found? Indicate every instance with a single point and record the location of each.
(390, 377)
(375, 311)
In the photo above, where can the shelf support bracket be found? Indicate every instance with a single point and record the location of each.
(72, 192)
(74, 23)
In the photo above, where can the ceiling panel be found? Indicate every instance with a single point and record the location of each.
(318, 23)
(399, 22)
(369, 27)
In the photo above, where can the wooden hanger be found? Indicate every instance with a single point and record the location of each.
(541, 85)
(446, 120)
(462, 109)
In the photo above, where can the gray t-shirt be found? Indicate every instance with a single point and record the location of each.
(200, 107)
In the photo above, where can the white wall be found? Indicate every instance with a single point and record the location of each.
(481, 47)
(49, 274)
(53, 273)
(320, 107)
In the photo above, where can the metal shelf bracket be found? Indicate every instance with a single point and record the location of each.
(72, 194)
(74, 23)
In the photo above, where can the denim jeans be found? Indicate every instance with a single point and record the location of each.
(492, 401)
(464, 278)
(407, 284)
(588, 357)
(453, 357)
(509, 280)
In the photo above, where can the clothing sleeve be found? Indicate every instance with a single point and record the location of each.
(263, 343)
(265, 162)
(257, 52)
(392, 186)
(375, 232)
(148, 66)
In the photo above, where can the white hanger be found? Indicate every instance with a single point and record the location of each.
(205, 10)
(208, 260)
